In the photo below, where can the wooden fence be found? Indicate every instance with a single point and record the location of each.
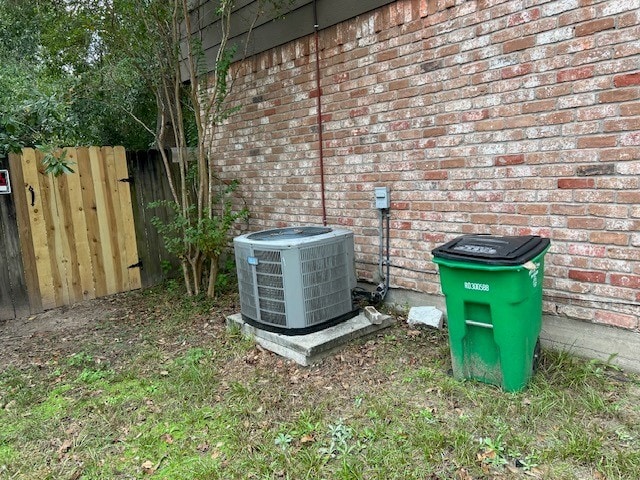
(81, 235)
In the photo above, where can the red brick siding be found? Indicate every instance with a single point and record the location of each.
(480, 117)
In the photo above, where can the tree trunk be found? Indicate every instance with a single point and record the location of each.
(213, 276)
(185, 272)
(164, 136)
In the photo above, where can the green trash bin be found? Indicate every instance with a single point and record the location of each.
(493, 290)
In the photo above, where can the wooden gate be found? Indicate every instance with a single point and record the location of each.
(77, 231)
(149, 185)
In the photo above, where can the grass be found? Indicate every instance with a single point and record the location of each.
(174, 395)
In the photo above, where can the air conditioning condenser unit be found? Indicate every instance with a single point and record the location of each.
(296, 280)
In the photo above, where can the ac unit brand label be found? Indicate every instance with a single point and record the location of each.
(252, 261)
(481, 287)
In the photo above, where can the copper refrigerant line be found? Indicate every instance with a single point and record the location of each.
(383, 287)
(316, 27)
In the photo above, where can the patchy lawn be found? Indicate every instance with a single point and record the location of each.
(151, 385)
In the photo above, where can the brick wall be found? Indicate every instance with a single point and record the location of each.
(504, 117)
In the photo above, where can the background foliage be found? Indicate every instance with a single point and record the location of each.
(107, 72)
(58, 83)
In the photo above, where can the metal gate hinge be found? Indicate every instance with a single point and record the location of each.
(136, 265)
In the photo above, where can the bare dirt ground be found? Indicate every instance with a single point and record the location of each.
(112, 329)
(55, 333)
(113, 326)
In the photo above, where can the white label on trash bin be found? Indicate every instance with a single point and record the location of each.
(481, 287)
(533, 274)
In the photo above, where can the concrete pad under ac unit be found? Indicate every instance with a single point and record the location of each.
(313, 347)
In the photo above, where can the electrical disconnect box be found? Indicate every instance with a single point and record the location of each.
(5, 183)
(382, 198)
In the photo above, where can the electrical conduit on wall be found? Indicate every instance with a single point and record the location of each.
(316, 27)
(383, 287)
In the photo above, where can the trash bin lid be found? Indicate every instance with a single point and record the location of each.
(493, 250)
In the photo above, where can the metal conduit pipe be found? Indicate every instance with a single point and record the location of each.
(381, 245)
(384, 255)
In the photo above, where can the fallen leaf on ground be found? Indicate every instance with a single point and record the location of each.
(307, 439)
(535, 473)
(76, 475)
(72, 429)
(64, 448)
(512, 469)
(148, 467)
(216, 454)
(462, 474)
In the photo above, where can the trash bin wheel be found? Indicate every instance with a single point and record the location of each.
(536, 356)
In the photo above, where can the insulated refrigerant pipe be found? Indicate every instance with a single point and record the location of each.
(381, 245)
(388, 259)
(384, 255)
(316, 27)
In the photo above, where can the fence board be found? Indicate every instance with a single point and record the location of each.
(98, 170)
(61, 225)
(83, 284)
(163, 192)
(7, 309)
(55, 239)
(114, 218)
(128, 233)
(139, 214)
(169, 213)
(38, 229)
(147, 178)
(22, 198)
(62, 211)
(117, 227)
(91, 220)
